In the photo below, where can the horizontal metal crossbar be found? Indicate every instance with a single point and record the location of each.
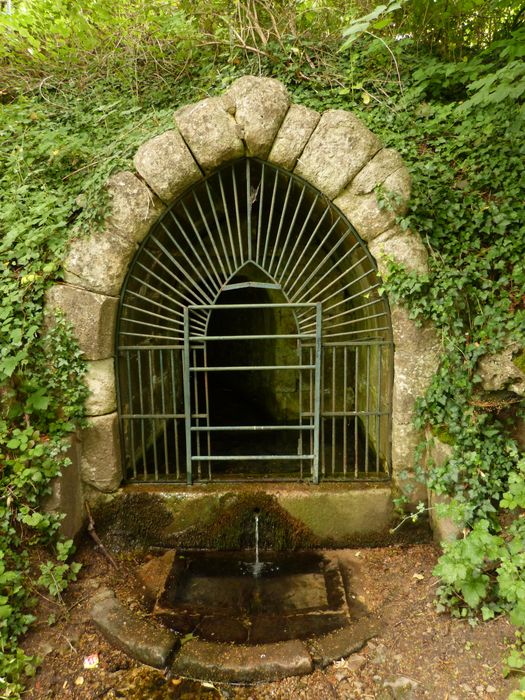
(249, 368)
(249, 428)
(251, 458)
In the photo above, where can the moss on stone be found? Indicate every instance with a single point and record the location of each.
(233, 526)
(519, 361)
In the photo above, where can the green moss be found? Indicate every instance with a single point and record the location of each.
(443, 435)
(519, 361)
(133, 520)
(233, 526)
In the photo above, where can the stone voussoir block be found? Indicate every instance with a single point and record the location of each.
(211, 132)
(338, 149)
(133, 206)
(92, 316)
(297, 127)
(260, 107)
(100, 463)
(100, 380)
(167, 165)
(401, 246)
(364, 211)
(99, 263)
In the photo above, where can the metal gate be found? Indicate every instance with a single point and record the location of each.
(252, 237)
(200, 431)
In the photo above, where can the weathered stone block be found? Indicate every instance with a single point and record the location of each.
(134, 207)
(405, 439)
(242, 664)
(444, 528)
(364, 211)
(296, 129)
(341, 516)
(153, 575)
(404, 247)
(384, 164)
(260, 107)
(499, 372)
(211, 132)
(99, 263)
(100, 380)
(167, 165)
(100, 463)
(343, 642)
(338, 149)
(67, 495)
(411, 338)
(141, 638)
(92, 316)
(413, 374)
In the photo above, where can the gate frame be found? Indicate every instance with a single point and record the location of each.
(188, 368)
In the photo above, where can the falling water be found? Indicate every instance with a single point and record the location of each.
(258, 566)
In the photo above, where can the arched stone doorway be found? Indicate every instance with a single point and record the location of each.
(334, 153)
(255, 293)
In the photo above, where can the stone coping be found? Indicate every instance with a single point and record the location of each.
(152, 644)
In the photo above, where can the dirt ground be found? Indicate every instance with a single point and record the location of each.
(418, 654)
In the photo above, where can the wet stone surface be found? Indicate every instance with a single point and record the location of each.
(218, 597)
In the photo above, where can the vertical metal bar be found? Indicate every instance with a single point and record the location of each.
(281, 221)
(153, 411)
(311, 402)
(270, 219)
(259, 218)
(131, 420)
(334, 421)
(291, 230)
(163, 408)
(367, 432)
(187, 394)
(237, 215)
(298, 238)
(180, 361)
(226, 210)
(300, 400)
(202, 245)
(207, 408)
(356, 418)
(210, 235)
(141, 406)
(345, 421)
(248, 209)
(193, 355)
(226, 258)
(379, 349)
(317, 414)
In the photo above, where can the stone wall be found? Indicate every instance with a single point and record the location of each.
(334, 151)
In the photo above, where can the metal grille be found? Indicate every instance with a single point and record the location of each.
(253, 291)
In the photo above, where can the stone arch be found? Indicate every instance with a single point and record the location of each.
(333, 151)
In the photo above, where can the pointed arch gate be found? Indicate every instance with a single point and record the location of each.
(253, 341)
